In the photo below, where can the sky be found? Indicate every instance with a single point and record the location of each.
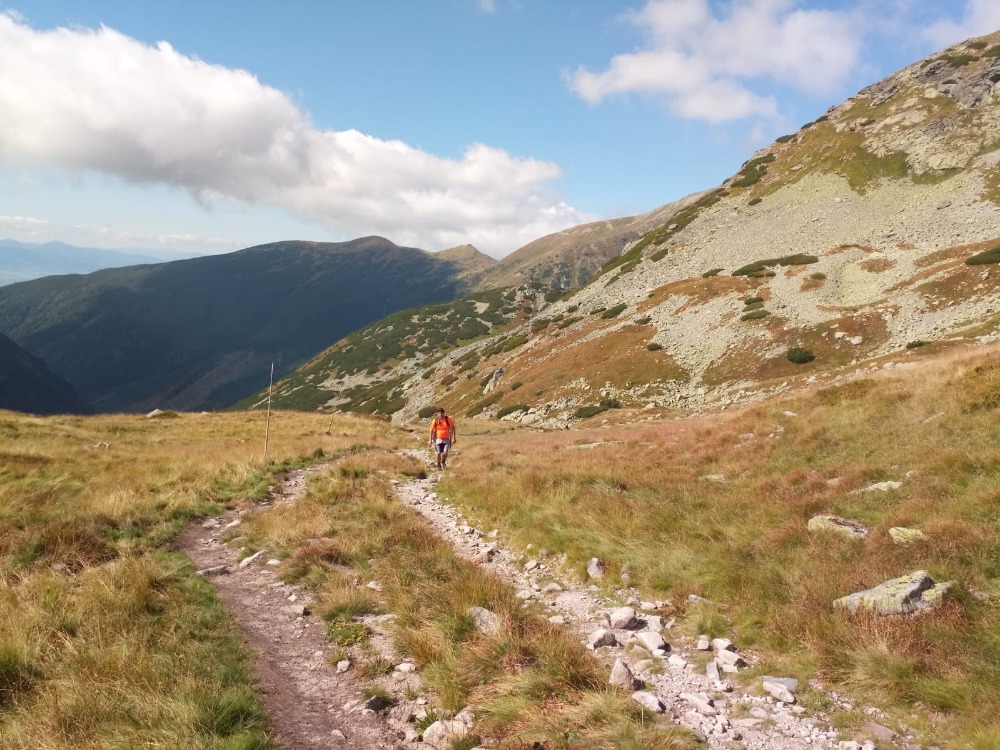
(211, 126)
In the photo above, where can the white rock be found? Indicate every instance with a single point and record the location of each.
(648, 700)
(596, 568)
(557, 620)
(704, 644)
(441, 735)
(652, 641)
(485, 621)
(602, 637)
(343, 665)
(375, 585)
(654, 623)
(623, 618)
(700, 703)
(248, 561)
(407, 667)
(621, 676)
(722, 644)
(678, 661)
(712, 671)
(779, 691)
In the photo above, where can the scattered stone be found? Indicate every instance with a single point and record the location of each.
(648, 700)
(652, 641)
(721, 478)
(837, 525)
(273, 562)
(704, 644)
(466, 716)
(246, 562)
(654, 623)
(376, 703)
(217, 570)
(407, 667)
(485, 621)
(530, 565)
(623, 618)
(881, 733)
(729, 659)
(557, 620)
(338, 736)
(343, 665)
(551, 588)
(676, 660)
(880, 487)
(596, 568)
(601, 637)
(856, 340)
(700, 703)
(211, 523)
(487, 554)
(233, 524)
(621, 676)
(903, 535)
(297, 610)
(779, 688)
(375, 585)
(903, 595)
(712, 671)
(441, 735)
(723, 644)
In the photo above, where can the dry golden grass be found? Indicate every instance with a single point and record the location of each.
(107, 639)
(528, 683)
(644, 507)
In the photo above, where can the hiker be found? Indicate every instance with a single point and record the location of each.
(443, 436)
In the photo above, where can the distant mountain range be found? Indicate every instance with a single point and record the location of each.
(26, 384)
(23, 261)
(201, 333)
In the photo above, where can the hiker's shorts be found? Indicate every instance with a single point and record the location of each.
(441, 446)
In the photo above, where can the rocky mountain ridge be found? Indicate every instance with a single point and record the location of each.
(843, 247)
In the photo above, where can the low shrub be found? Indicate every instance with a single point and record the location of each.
(799, 356)
(654, 347)
(987, 257)
(960, 61)
(569, 321)
(818, 276)
(916, 344)
(642, 321)
(755, 201)
(515, 386)
(539, 325)
(785, 138)
(426, 374)
(448, 380)
(752, 300)
(611, 403)
(760, 267)
(591, 410)
(755, 315)
(427, 412)
(572, 308)
(753, 305)
(713, 272)
(597, 310)
(614, 312)
(511, 409)
(993, 51)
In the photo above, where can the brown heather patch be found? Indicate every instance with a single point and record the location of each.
(958, 284)
(809, 285)
(877, 265)
(846, 248)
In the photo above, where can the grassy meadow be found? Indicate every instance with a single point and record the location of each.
(718, 507)
(107, 638)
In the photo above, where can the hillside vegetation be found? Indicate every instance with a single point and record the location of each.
(202, 333)
(718, 507)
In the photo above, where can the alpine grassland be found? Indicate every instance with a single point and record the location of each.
(530, 683)
(108, 639)
(717, 506)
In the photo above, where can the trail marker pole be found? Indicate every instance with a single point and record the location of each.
(267, 425)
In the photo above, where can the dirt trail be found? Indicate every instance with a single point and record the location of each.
(303, 694)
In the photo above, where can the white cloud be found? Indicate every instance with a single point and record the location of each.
(978, 17)
(487, 6)
(704, 62)
(96, 100)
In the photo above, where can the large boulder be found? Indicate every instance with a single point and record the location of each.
(441, 735)
(899, 596)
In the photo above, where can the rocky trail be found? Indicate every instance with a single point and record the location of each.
(314, 703)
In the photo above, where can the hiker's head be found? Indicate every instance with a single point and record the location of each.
(440, 411)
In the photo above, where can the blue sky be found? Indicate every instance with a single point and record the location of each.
(213, 126)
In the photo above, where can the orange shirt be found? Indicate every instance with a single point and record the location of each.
(442, 429)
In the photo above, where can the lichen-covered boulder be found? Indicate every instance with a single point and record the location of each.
(899, 596)
(837, 525)
(903, 535)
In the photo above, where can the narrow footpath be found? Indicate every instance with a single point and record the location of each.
(310, 705)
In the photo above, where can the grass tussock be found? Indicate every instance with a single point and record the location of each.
(643, 505)
(107, 638)
(528, 683)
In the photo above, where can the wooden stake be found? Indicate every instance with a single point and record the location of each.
(267, 426)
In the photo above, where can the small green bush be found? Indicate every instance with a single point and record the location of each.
(614, 312)
(760, 267)
(427, 412)
(597, 310)
(960, 61)
(755, 201)
(569, 321)
(539, 325)
(586, 412)
(659, 255)
(818, 276)
(785, 138)
(448, 380)
(755, 315)
(515, 386)
(916, 344)
(347, 633)
(752, 300)
(799, 356)
(753, 305)
(511, 409)
(426, 374)
(654, 347)
(572, 308)
(642, 321)
(713, 272)
(985, 258)
(610, 403)
(993, 51)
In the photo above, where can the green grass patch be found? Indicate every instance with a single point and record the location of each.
(987, 257)
(799, 356)
(511, 410)
(754, 315)
(761, 266)
(614, 312)
(712, 272)
(654, 347)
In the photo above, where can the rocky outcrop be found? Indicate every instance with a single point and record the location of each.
(903, 595)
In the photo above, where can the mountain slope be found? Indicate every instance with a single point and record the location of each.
(864, 240)
(569, 258)
(27, 385)
(201, 333)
